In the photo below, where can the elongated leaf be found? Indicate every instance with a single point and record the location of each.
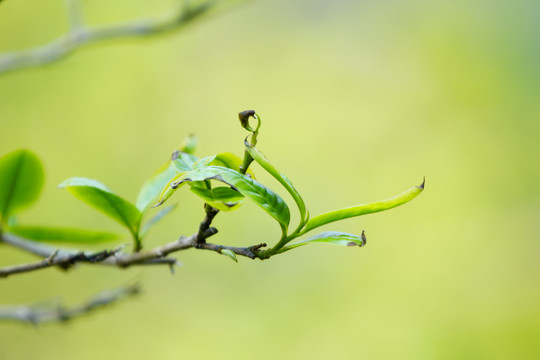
(152, 188)
(229, 254)
(101, 198)
(221, 198)
(268, 200)
(331, 237)
(21, 181)
(62, 235)
(363, 209)
(231, 161)
(283, 180)
(153, 221)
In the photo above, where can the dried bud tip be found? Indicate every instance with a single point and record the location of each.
(244, 118)
(422, 184)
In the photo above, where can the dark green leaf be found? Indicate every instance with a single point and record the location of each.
(283, 180)
(21, 181)
(268, 200)
(62, 235)
(331, 237)
(101, 198)
(221, 198)
(363, 209)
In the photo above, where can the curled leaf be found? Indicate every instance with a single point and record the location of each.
(283, 180)
(244, 119)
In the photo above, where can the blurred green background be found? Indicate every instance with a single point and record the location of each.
(359, 99)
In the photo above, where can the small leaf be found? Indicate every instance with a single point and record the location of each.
(160, 215)
(221, 198)
(101, 198)
(283, 180)
(189, 145)
(62, 235)
(21, 181)
(152, 187)
(363, 209)
(229, 254)
(331, 237)
(231, 161)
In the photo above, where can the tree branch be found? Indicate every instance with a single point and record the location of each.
(58, 312)
(79, 35)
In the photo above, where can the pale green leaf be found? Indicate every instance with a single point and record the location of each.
(183, 161)
(62, 235)
(21, 181)
(156, 218)
(189, 145)
(229, 254)
(331, 237)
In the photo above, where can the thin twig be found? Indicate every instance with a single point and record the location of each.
(43, 314)
(79, 35)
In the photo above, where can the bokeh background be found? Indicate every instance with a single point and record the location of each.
(360, 100)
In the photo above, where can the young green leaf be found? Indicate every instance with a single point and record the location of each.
(331, 237)
(152, 188)
(229, 254)
(62, 235)
(169, 189)
(221, 198)
(160, 215)
(283, 180)
(189, 145)
(21, 181)
(101, 198)
(363, 209)
(268, 200)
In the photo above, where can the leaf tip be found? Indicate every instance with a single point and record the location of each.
(421, 187)
(364, 238)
